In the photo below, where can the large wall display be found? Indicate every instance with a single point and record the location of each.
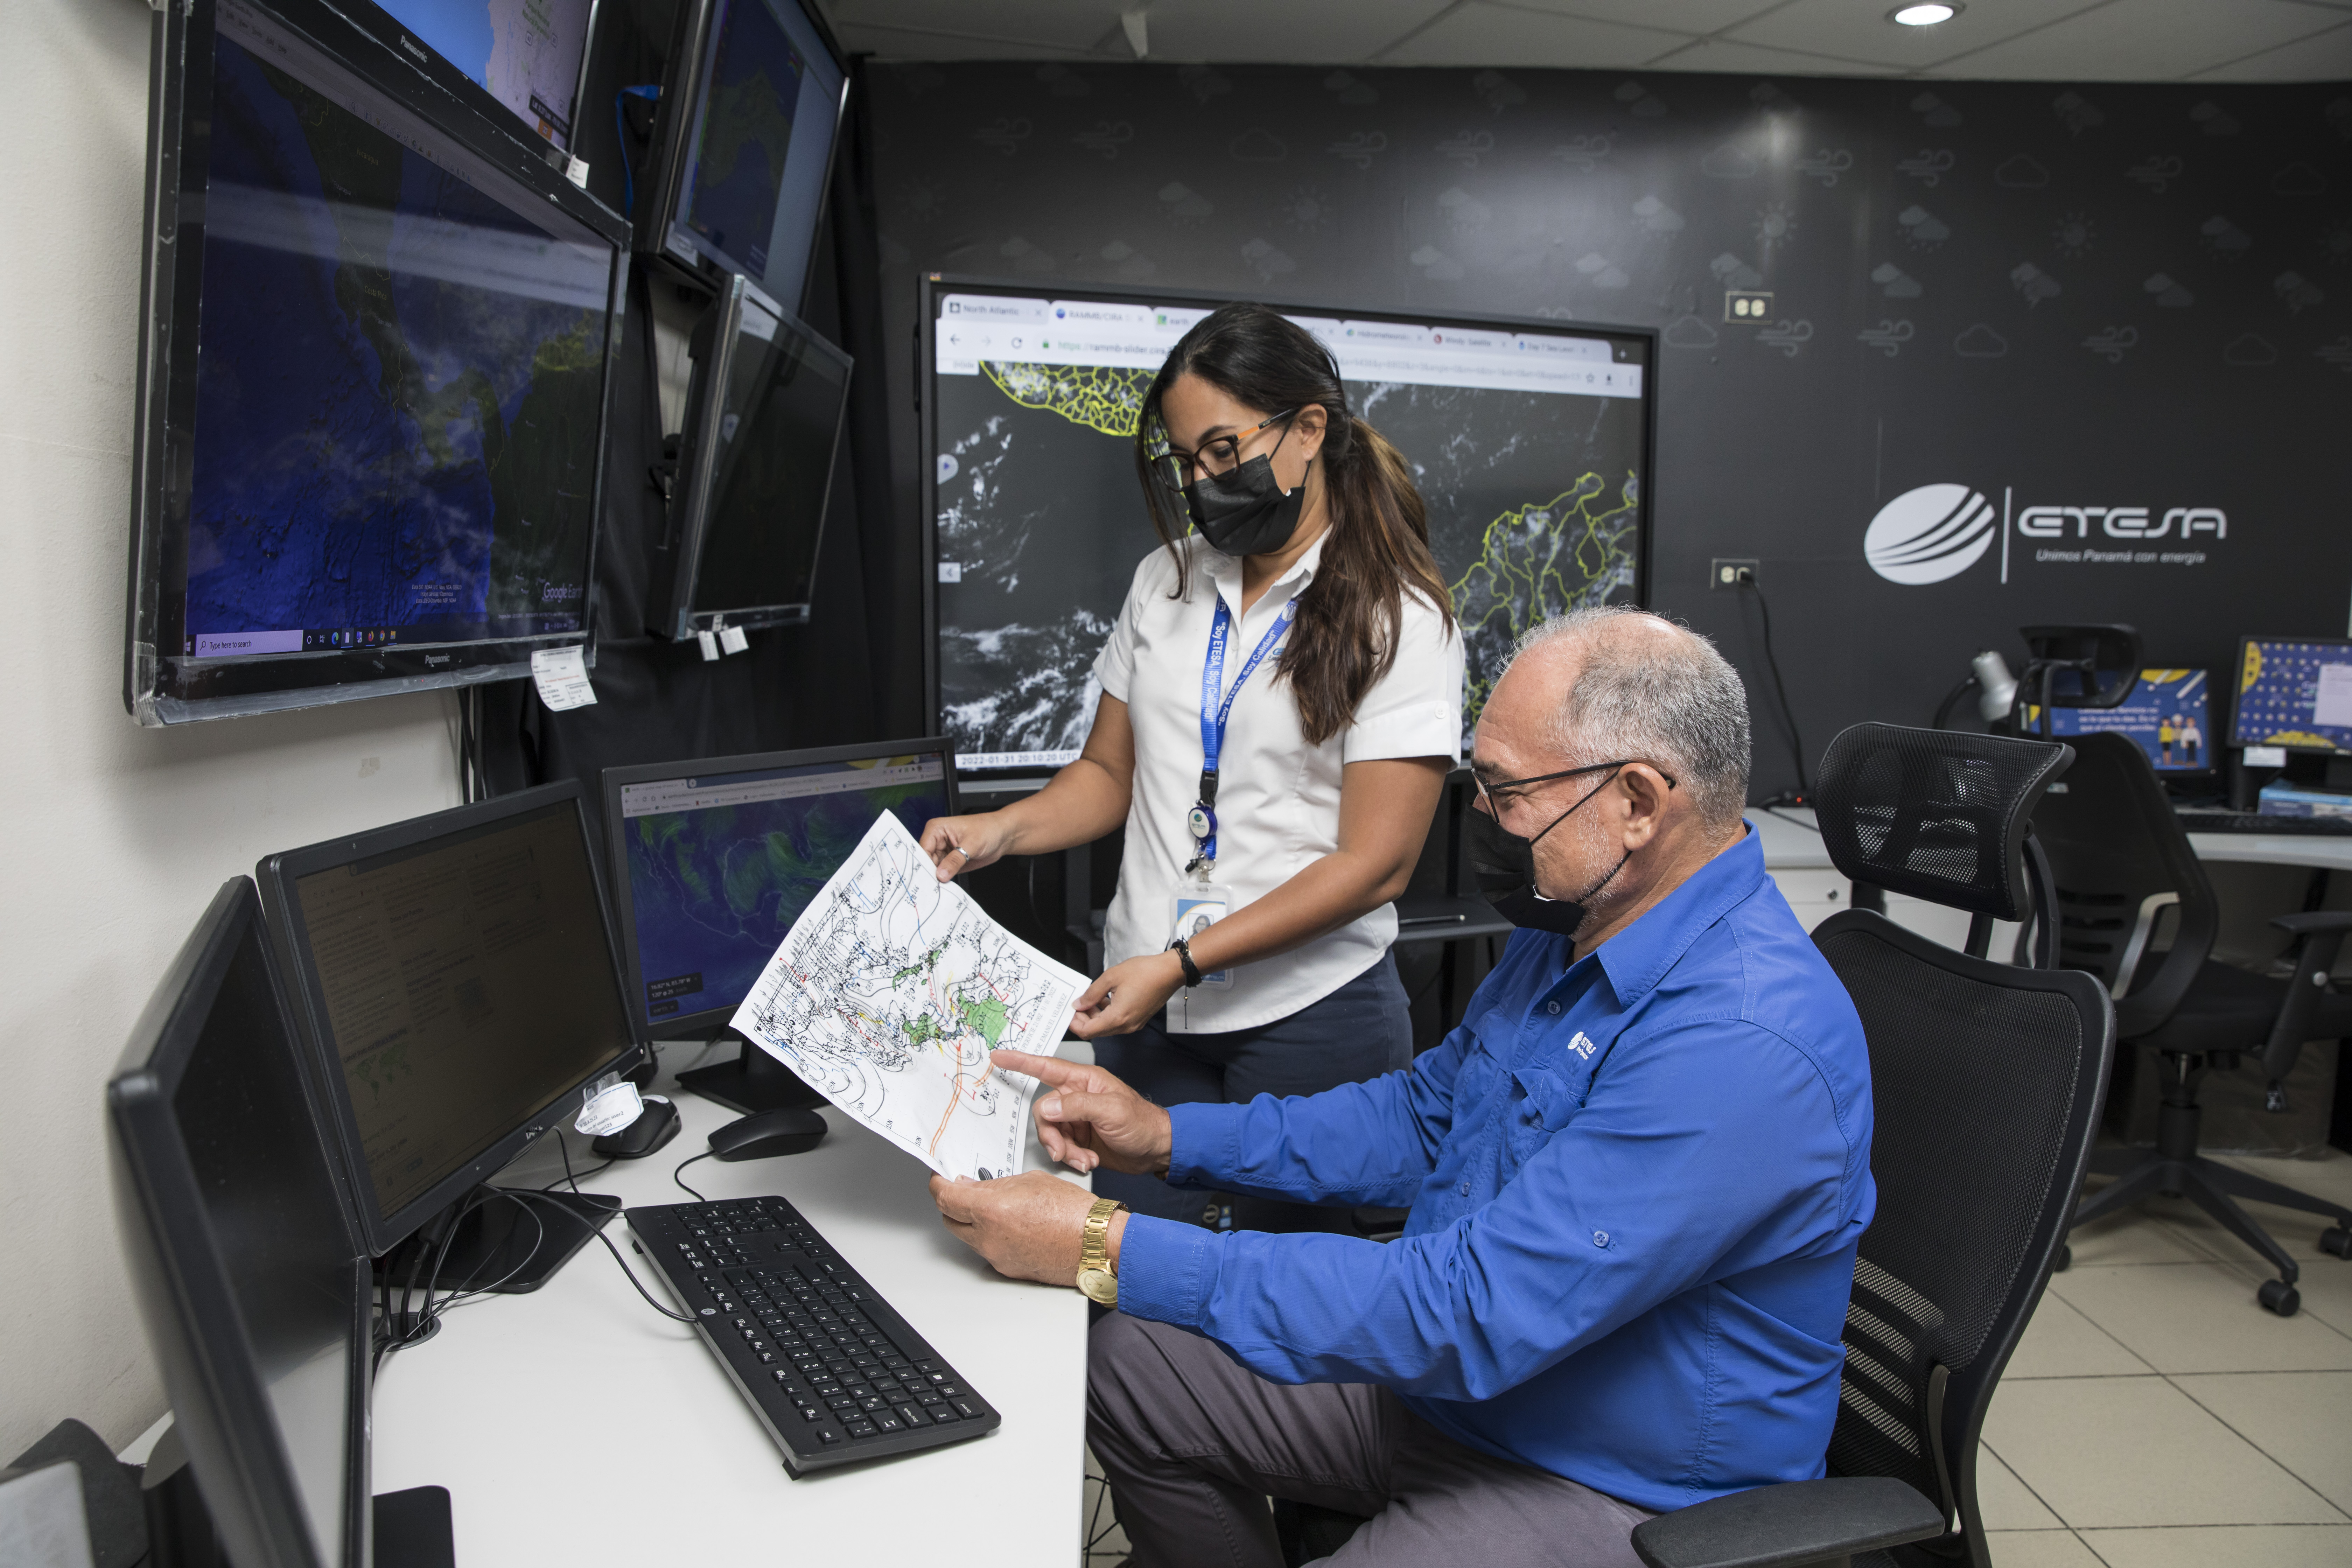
(1530, 447)
(2102, 330)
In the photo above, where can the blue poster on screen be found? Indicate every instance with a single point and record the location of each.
(2165, 713)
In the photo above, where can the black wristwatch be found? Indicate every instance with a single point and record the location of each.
(1183, 951)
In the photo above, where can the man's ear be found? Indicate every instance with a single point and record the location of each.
(1645, 804)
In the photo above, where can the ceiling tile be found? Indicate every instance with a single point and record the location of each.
(1068, 23)
(1675, 16)
(2143, 40)
(1479, 35)
(1725, 55)
(2327, 57)
(1859, 30)
(1292, 32)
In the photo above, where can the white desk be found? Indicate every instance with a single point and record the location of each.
(575, 1422)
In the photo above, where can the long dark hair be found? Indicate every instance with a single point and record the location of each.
(1377, 540)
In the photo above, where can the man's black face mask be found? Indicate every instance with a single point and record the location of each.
(1505, 864)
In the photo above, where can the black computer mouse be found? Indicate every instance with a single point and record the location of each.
(768, 1134)
(656, 1125)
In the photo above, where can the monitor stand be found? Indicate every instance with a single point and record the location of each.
(499, 1247)
(754, 1081)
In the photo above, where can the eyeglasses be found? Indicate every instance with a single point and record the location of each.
(1174, 467)
(1490, 793)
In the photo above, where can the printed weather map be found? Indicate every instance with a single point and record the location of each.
(888, 996)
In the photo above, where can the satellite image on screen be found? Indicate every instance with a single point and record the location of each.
(527, 52)
(1534, 508)
(400, 389)
(720, 867)
(747, 128)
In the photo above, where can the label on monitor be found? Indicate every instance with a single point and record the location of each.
(709, 641)
(733, 639)
(562, 676)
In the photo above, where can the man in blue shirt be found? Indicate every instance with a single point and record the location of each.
(1637, 1176)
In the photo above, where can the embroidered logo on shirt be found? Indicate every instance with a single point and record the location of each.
(1582, 1045)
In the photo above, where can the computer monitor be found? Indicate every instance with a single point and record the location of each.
(2295, 692)
(2168, 712)
(376, 335)
(456, 980)
(1530, 442)
(528, 54)
(714, 860)
(254, 1291)
(763, 419)
(744, 138)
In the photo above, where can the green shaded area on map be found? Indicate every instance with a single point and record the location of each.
(1539, 561)
(1100, 397)
(922, 967)
(985, 1014)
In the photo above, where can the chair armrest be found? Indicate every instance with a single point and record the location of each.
(1783, 1526)
(2316, 921)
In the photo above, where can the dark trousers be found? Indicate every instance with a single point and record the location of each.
(1192, 1445)
(1357, 1033)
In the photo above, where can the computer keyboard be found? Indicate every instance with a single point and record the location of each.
(835, 1375)
(2210, 821)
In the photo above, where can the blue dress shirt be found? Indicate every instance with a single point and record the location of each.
(1637, 1183)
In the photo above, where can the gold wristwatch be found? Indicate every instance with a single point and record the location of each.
(1096, 1277)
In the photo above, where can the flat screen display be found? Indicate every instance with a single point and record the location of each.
(718, 865)
(2168, 713)
(2295, 692)
(526, 52)
(1529, 446)
(466, 983)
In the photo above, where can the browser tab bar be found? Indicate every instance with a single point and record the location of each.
(992, 308)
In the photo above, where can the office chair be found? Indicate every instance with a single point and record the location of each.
(1986, 1082)
(2121, 859)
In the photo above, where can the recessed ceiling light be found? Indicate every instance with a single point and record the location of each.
(1922, 15)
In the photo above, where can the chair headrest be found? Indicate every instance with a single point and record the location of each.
(1935, 815)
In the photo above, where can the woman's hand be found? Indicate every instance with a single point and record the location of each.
(957, 844)
(1126, 994)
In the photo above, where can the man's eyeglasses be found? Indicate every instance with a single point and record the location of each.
(1174, 467)
(1499, 795)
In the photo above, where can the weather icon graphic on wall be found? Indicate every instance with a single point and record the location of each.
(1927, 534)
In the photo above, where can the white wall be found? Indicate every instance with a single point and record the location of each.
(112, 838)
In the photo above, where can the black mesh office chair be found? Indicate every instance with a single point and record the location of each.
(1986, 1082)
(2121, 860)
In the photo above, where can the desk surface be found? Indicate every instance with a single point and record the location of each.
(575, 1420)
(1791, 843)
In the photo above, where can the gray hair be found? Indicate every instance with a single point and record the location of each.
(1670, 700)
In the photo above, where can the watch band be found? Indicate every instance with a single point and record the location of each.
(1182, 948)
(1097, 1278)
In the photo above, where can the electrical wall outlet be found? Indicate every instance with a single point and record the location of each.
(1730, 571)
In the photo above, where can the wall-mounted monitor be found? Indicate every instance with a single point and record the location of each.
(529, 54)
(750, 106)
(2295, 692)
(376, 343)
(763, 419)
(1530, 442)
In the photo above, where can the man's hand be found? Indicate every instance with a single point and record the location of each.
(1028, 1227)
(1088, 1118)
(1124, 996)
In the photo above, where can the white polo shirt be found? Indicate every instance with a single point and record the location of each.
(1278, 798)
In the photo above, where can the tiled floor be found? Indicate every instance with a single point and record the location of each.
(2154, 1415)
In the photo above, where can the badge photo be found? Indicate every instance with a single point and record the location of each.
(1198, 908)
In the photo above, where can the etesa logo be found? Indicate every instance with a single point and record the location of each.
(1937, 531)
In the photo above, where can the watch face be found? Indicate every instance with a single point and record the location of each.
(1099, 1285)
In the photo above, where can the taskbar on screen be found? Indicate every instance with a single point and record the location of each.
(331, 640)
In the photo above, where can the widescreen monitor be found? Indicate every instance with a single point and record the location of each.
(456, 979)
(2295, 692)
(714, 860)
(763, 419)
(750, 109)
(528, 54)
(377, 335)
(254, 1291)
(1530, 441)
(2168, 713)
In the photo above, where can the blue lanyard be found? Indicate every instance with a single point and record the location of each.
(1214, 713)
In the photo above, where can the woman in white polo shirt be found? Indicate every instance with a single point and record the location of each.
(1281, 701)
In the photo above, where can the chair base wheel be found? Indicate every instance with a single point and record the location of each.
(2280, 1296)
(2065, 1260)
(2336, 1240)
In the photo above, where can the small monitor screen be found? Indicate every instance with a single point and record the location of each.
(467, 983)
(2167, 713)
(2295, 693)
(721, 865)
(262, 1175)
(527, 52)
(400, 382)
(778, 427)
(761, 144)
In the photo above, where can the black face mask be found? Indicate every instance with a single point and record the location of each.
(1504, 865)
(1244, 512)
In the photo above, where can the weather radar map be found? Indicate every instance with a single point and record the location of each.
(747, 129)
(888, 996)
(400, 386)
(1527, 450)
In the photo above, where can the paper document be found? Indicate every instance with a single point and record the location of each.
(2331, 704)
(887, 996)
(561, 674)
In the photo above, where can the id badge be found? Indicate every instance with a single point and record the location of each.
(1198, 907)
